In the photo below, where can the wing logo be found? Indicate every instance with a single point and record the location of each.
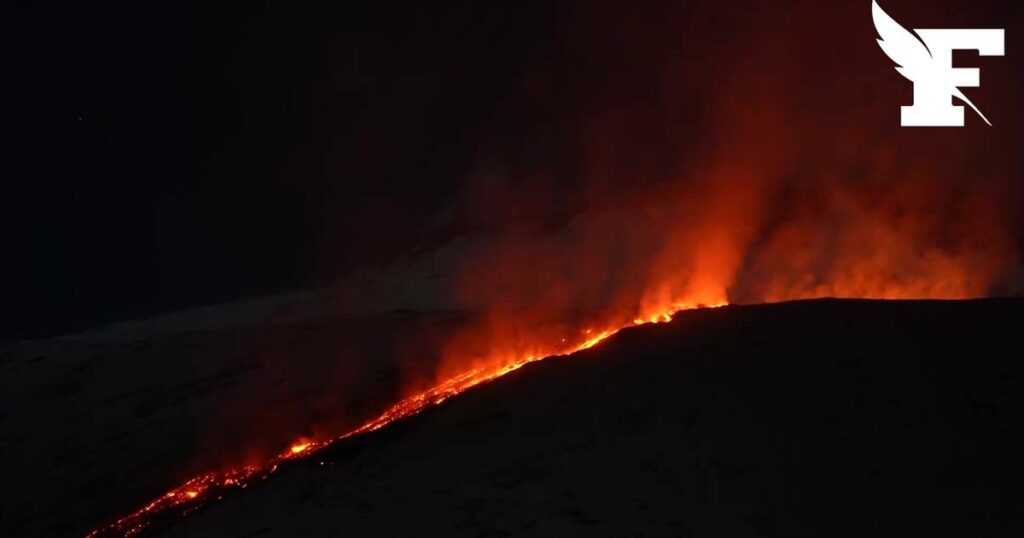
(925, 57)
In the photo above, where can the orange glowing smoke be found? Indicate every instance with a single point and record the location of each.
(711, 243)
(732, 236)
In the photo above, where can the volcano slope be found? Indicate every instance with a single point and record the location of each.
(820, 418)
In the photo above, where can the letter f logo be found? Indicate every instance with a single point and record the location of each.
(928, 63)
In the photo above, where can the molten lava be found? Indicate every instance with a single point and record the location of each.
(210, 486)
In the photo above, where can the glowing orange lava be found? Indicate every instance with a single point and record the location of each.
(207, 487)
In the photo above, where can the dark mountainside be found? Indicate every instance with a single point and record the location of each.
(821, 418)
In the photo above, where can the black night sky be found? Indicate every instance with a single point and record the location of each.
(179, 155)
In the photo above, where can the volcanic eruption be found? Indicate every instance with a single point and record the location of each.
(677, 157)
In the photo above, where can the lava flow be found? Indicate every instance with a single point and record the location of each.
(211, 486)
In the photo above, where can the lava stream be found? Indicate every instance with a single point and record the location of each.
(210, 486)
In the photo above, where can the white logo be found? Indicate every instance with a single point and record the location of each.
(927, 60)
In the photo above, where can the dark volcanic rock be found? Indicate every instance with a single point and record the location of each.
(823, 418)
